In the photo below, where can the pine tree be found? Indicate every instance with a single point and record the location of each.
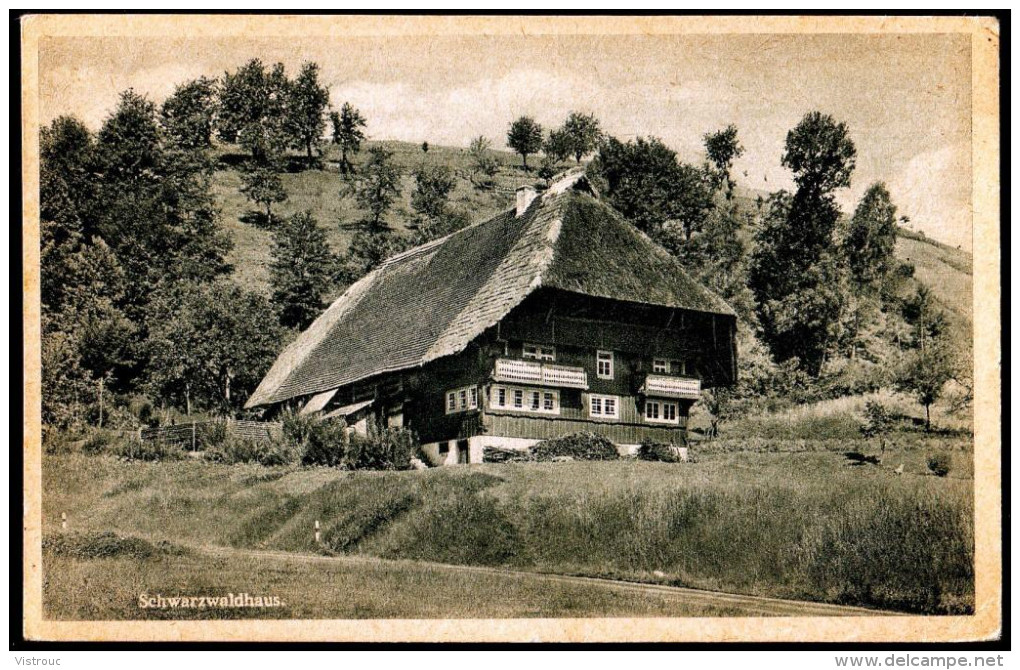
(301, 269)
(377, 185)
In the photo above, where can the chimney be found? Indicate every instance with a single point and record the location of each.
(525, 195)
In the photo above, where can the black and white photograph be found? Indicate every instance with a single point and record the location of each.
(522, 328)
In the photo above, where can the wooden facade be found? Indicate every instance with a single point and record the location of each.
(576, 328)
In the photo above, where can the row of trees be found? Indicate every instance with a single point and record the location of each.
(579, 135)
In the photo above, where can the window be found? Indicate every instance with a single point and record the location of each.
(657, 411)
(604, 364)
(604, 406)
(444, 448)
(538, 352)
(660, 366)
(526, 400)
(462, 400)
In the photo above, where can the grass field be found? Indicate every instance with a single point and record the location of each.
(801, 525)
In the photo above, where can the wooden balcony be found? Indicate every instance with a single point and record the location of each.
(662, 386)
(514, 371)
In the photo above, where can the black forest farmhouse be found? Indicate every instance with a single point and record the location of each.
(555, 317)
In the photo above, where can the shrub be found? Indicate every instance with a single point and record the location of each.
(134, 449)
(579, 446)
(233, 450)
(939, 464)
(877, 420)
(383, 449)
(319, 441)
(212, 435)
(97, 442)
(56, 441)
(658, 451)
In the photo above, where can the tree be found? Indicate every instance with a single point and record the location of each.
(557, 146)
(925, 374)
(525, 137)
(347, 133)
(66, 181)
(870, 239)
(253, 110)
(187, 115)
(367, 251)
(432, 187)
(721, 149)
(867, 245)
(792, 269)
(301, 268)
(484, 162)
(307, 108)
(210, 344)
(377, 185)
(583, 133)
(263, 186)
(646, 183)
(129, 145)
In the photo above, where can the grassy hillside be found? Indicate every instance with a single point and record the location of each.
(319, 192)
(800, 525)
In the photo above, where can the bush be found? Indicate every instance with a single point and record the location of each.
(233, 450)
(658, 451)
(383, 449)
(97, 442)
(877, 419)
(579, 446)
(56, 441)
(212, 435)
(939, 464)
(134, 449)
(319, 441)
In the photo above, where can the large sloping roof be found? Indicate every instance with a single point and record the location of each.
(433, 300)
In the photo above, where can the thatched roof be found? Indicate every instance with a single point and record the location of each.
(433, 300)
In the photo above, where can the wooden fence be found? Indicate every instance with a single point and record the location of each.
(196, 434)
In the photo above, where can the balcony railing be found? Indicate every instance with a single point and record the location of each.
(543, 374)
(671, 387)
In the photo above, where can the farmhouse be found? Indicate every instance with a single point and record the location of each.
(555, 317)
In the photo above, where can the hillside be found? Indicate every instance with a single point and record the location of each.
(319, 192)
(945, 270)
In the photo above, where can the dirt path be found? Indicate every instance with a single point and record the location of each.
(746, 605)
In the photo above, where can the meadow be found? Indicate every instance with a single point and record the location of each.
(791, 520)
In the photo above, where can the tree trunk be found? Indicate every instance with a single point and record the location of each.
(525, 157)
(187, 399)
(927, 418)
(308, 145)
(101, 384)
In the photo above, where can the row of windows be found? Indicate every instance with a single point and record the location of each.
(527, 400)
(546, 401)
(462, 400)
(603, 361)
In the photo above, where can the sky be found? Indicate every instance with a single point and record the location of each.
(905, 98)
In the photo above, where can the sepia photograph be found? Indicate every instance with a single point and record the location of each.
(520, 328)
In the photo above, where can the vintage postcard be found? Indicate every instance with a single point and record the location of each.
(536, 328)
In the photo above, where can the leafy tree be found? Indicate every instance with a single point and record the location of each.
(646, 183)
(525, 137)
(925, 374)
(215, 349)
(307, 108)
(722, 148)
(583, 133)
(432, 187)
(263, 186)
(348, 133)
(187, 115)
(66, 181)
(377, 185)
(792, 269)
(557, 146)
(129, 146)
(253, 110)
(484, 162)
(301, 269)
